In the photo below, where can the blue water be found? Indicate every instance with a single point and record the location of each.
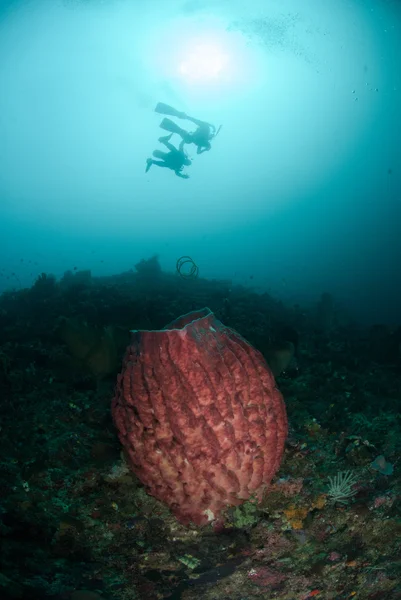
(301, 192)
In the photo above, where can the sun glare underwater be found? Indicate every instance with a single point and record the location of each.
(200, 56)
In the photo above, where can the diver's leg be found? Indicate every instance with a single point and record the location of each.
(160, 163)
(165, 158)
(202, 124)
(160, 154)
(195, 121)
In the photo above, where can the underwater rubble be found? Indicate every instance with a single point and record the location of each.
(77, 524)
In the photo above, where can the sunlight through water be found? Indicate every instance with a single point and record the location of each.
(204, 63)
(200, 54)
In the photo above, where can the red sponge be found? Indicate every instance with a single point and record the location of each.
(200, 416)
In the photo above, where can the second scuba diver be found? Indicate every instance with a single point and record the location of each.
(175, 159)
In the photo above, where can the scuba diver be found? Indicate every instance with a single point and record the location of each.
(175, 160)
(201, 137)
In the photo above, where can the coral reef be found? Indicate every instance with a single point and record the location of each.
(77, 524)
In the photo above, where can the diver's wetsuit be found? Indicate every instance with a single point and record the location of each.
(174, 160)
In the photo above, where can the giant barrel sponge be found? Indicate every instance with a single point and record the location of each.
(200, 417)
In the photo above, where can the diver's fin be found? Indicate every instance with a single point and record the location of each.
(149, 163)
(169, 125)
(165, 138)
(166, 109)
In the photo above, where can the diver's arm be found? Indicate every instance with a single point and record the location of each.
(169, 146)
(181, 146)
(202, 149)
